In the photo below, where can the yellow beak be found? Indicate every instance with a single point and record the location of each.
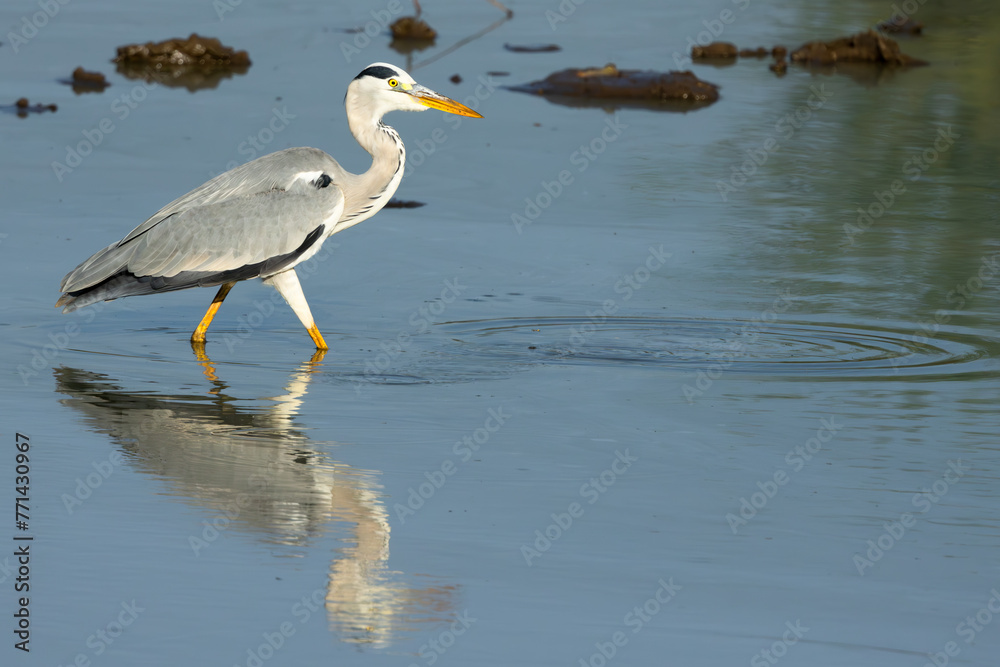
(429, 98)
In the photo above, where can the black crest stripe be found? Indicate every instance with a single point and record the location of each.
(379, 72)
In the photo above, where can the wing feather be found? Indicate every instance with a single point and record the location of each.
(263, 209)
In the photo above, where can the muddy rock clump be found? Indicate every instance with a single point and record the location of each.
(194, 63)
(865, 47)
(86, 82)
(714, 51)
(611, 83)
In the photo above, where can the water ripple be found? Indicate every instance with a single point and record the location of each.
(791, 349)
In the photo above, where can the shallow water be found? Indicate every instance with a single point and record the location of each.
(677, 404)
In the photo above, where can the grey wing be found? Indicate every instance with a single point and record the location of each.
(254, 220)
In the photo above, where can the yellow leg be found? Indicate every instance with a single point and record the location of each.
(199, 334)
(318, 338)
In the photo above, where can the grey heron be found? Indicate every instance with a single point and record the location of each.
(263, 218)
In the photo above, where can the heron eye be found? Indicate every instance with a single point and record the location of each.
(393, 83)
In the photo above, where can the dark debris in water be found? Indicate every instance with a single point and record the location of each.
(532, 48)
(86, 82)
(193, 63)
(23, 107)
(611, 83)
(715, 51)
(901, 24)
(865, 47)
(404, 203)
(413, 28)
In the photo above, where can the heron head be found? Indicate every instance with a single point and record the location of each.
(382, 88)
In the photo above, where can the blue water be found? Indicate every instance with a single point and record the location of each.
(678, 417)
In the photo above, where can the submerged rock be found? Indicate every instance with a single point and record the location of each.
(23, 107)
(412, 27)
(610, 83)
(865, 47)
(86, 82)
(193, 51)
(196, 62)
(532, 48)
(715, 50)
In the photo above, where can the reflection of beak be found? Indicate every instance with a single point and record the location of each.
(429, 98)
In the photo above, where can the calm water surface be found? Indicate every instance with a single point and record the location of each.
(692, 409)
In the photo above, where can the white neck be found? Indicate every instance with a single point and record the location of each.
(373, 189)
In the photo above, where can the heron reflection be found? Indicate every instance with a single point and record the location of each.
(255, 470)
